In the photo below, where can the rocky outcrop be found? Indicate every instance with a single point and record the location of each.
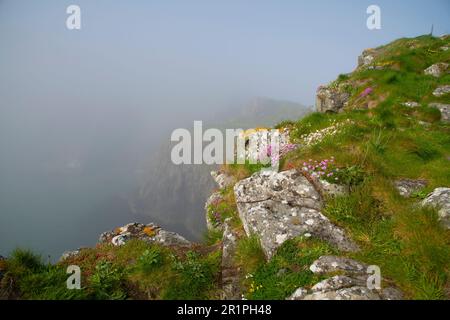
(222, 179)
(441, 91)
(440, 199)
(444, 109)
(349, 284)
(280, 206)
(366, 58)
(331, 99)
(406, 187)
(150, 233)
(230, 273)
(437, 70)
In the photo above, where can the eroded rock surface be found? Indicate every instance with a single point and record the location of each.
(150, 233)
(440, 199)
(349, 284)
(230, 273)
(406, 187)
(441, 91)
(444, 109)
(222, 179)
(280, 206)
(329, 99)
(437, 70)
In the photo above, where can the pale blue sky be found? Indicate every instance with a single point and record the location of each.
(165, 52)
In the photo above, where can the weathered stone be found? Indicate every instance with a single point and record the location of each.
(230, 272)
(440, 199)
(366, 58)
(329, 99)
(223, 180)
(444, 109)
(336, 283)
(411, 104)
(280, 206)
(406, 187)
(70, 254)
(330, 264)
(350, 285)
(437, 70)
(441, 91)
(150, 233)
(331, 189)
(352, 293)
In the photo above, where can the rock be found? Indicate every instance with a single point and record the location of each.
(350, 285)
(330, 99)
(280, 206)
(441, 91)
(150, 233)
(440, 199)
(230, 273)
(223, 180)
(444, 109)
(331, 189)
(437, 70)
(411, 104)
(70, 254)
(330, 264)
(366, 58)
(352, 293)
(406, 187)
(445, 48)
(298, 294)
(257, 142)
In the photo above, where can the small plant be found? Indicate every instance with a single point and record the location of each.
(324, 169)
(107, 281)
(150, 259)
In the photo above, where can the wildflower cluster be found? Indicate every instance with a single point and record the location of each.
(276, 156)
(324, 169)
(366, 92)
(318, 135)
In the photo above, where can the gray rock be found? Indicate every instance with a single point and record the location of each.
(441, 91)
(280, 206)
(406, 187)
(437, 70)
(330, 264)
(331, 189)
(352, 293)
(70, 254)
(150, 233)
(366, 58)
(444, 109)
(440, 199)
(330, 99)
(351, 285)
(411, 104)
(223, 180)
(230, 273)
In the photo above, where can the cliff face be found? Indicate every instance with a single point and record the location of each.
(359, 209)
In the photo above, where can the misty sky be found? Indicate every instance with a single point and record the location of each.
(78, 109)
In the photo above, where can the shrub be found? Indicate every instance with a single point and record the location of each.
(107, 281)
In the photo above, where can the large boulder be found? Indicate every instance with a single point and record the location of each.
(444, 109)
(349, 284)
(150, 233)
(331, 99)
(437, 70)
(440, 199)
(277, 206)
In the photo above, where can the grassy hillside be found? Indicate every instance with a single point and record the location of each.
(379, 140)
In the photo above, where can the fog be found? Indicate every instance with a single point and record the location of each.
(83, 113)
